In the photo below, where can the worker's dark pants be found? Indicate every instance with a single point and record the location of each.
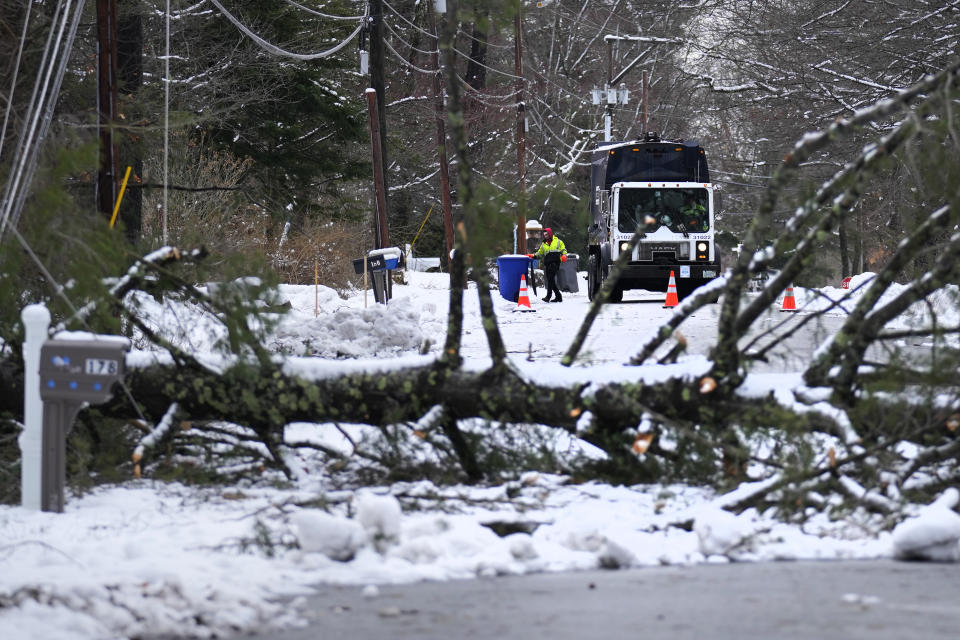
(552, 271)
(551, 268)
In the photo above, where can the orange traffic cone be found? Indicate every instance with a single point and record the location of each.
(789, 302)
(672, 299)
(523, 300)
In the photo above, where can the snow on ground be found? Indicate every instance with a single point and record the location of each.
(933, 534)
(150, 558)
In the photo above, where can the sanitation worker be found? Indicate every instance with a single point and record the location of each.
(695, 215)
(551, 253)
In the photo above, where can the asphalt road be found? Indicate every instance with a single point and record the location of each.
(622, 328)
(879, 600)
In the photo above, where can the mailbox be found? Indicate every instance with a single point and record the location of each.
(374, 263)
(380, 259)
(73, 374)
(378, 263)
(81, 370)
(391, 255)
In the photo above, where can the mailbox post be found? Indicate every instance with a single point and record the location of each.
(73, 374)
(36, 322)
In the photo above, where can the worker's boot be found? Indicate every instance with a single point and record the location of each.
(547, 299)
(559, 298)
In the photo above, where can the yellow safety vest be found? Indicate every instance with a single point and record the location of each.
(554, 245)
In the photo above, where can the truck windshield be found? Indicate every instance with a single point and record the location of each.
(680, 210)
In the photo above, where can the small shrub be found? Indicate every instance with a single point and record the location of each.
(325, 249)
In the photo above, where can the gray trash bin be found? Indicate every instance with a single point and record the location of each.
(567, 277)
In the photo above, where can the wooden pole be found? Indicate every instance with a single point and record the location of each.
(521, 134)
(380, 223)
(129, 81)
(316, 288)
(378, 82)
(439, 115)
(107, 104)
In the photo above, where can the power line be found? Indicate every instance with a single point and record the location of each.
(406, 62)
(46, 89)
(434, 37)
(13, 81)
(323, 15)
(401, 39)
(553, 111)
(405, 19)
(464, 55)
(274, 49)
(544, 126)
(485, 42)
(488, 67)
(479, 96)
(166, 122)
(26, 135)
(576, 97)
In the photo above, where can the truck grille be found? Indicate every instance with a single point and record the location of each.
(656, 251)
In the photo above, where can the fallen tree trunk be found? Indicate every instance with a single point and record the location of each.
(265, 399)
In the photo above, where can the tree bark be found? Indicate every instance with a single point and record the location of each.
(844, 249)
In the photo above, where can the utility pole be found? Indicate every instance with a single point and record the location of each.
(129, 79)
(377, 82)
(521, 134)
(439, 115)
(611, 95)
(381, 236)
(108, 174)
(608, 120)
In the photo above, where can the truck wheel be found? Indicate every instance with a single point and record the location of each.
(593, 277)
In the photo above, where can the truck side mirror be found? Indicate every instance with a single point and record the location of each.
(603, 198)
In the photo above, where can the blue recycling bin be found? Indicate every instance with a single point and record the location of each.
(509, 270)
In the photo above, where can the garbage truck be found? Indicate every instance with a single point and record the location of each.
(660, 189)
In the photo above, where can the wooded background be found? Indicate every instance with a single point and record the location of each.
(259, 140)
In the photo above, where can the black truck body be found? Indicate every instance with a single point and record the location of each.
(662, 190)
